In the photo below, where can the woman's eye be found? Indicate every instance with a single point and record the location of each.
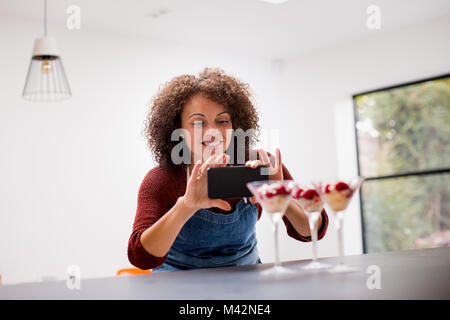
(223, 121)
(198, 123)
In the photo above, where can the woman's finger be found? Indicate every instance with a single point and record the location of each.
(278, 164)
(277, 170)
(257, 163)
(253, 163)
(249, 163)
(205, 165)
(215, 162)
(222, 159)
(196, 168)
(253, 200)
(264, 157)
(222, 204)
(227, 159)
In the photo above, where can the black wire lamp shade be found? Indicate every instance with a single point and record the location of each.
(46, 78)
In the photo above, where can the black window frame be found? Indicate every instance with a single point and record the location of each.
(391, 176)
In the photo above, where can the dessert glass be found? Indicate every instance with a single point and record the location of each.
(311, 202)
(274, 197)
(337, 195)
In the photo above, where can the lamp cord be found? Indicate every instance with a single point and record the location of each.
(45, 18)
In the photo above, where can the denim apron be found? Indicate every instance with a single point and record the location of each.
(210, 239)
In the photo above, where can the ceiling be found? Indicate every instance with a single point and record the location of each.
(248, 27)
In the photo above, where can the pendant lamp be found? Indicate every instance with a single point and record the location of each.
(46, 79)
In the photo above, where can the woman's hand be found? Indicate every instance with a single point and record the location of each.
(275, 172)
(196, 196)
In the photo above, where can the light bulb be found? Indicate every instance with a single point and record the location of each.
(46, 67)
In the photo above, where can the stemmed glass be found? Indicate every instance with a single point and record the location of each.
(312, 204)
(337, 195)
(274, 197)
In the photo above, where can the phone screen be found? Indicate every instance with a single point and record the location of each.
(231, 182)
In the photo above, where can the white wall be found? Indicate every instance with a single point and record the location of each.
(70, 171)
(318, 135)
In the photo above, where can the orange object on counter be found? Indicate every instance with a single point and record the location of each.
(132, 272)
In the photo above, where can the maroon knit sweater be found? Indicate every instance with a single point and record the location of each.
(158, 192)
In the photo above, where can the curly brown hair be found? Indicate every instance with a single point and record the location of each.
(166, 107)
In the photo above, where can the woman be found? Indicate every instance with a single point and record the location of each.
(177, 227)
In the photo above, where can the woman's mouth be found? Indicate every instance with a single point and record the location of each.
(212, 144)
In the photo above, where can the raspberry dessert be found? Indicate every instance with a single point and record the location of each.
(274, 197)
(309, 199)
(338, 195)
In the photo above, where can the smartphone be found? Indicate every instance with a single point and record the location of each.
(231, 182)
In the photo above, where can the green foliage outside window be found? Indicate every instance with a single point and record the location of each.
(402, 130)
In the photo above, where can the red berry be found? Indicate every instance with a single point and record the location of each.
(269, 194)
(341, 186)
(282, 190)
(297, 193)
(327, 188)
(309, 194)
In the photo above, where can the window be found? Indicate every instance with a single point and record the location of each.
(403, 151)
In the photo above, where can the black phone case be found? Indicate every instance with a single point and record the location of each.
(230, 182)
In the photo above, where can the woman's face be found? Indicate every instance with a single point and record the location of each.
(208, 125)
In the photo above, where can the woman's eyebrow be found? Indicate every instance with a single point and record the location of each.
(196, 114)
(221, 113)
